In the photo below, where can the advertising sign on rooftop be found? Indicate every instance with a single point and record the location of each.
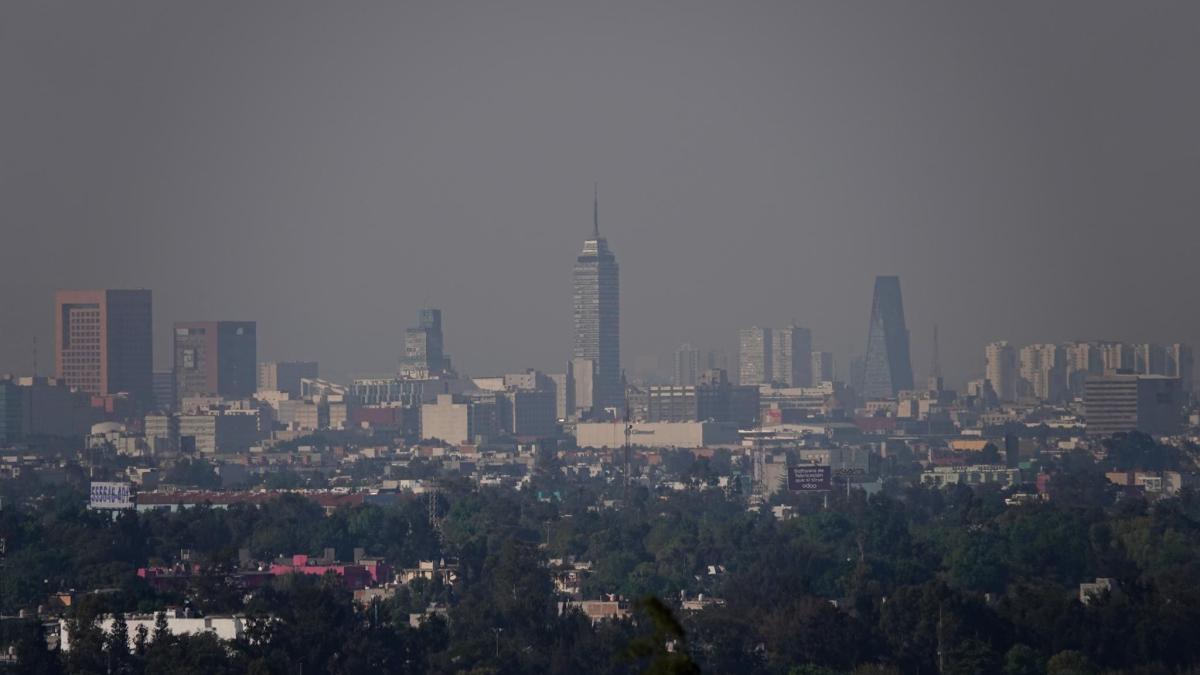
(111, 496)
(811, 478)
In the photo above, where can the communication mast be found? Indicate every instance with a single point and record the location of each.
(758, 493)
(758, 488)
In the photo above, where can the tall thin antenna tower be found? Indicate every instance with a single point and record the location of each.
(431, 505)
(758, 461)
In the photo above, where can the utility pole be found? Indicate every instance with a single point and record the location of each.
(628, 434)
(940, 653)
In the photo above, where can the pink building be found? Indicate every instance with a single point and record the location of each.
(354, 576)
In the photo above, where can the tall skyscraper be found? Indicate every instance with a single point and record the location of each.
(1043, 372)
(754, 356)
(1001, 369)
(103, 342)
(1117, 356)
(687, 365)
(1149, 359)
(1181, 364)
(597, 315)
(791, 356)
(888, 365)
(215, 358)
(1083, 359)
(423, 347)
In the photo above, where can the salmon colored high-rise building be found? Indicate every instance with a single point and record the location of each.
(103, 342)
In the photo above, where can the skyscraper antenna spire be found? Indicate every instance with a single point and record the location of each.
(595, 210)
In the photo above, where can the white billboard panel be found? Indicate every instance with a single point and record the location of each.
(111, 496)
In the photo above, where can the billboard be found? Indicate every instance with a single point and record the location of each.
(850, 474)
(811, 478)
(111, 496)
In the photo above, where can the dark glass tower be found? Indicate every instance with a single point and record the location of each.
(888, 368)
(215, 358)
(423, 352)
(597, 315)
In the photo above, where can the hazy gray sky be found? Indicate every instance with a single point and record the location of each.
(1030, 170)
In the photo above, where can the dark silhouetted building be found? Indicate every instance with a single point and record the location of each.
(43, 406)
(215, 358)
(1001, 369)
(1152, 404)
(791, 356)
(164, 390)
(822, 368)
(888, 366)
(104, 343)
(423, 347)
(528, 412)
(1182, 364)
(712, 399)
(687, 365)
(10, 411)
(597, 316)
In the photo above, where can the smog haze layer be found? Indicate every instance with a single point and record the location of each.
(1029, 170)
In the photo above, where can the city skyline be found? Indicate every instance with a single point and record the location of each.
(892, 163)
(430, 324)
(312, 358)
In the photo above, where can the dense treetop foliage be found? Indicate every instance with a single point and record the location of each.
(912, 580)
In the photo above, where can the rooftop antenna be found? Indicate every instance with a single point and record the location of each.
(595, 210)
(35, 357)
